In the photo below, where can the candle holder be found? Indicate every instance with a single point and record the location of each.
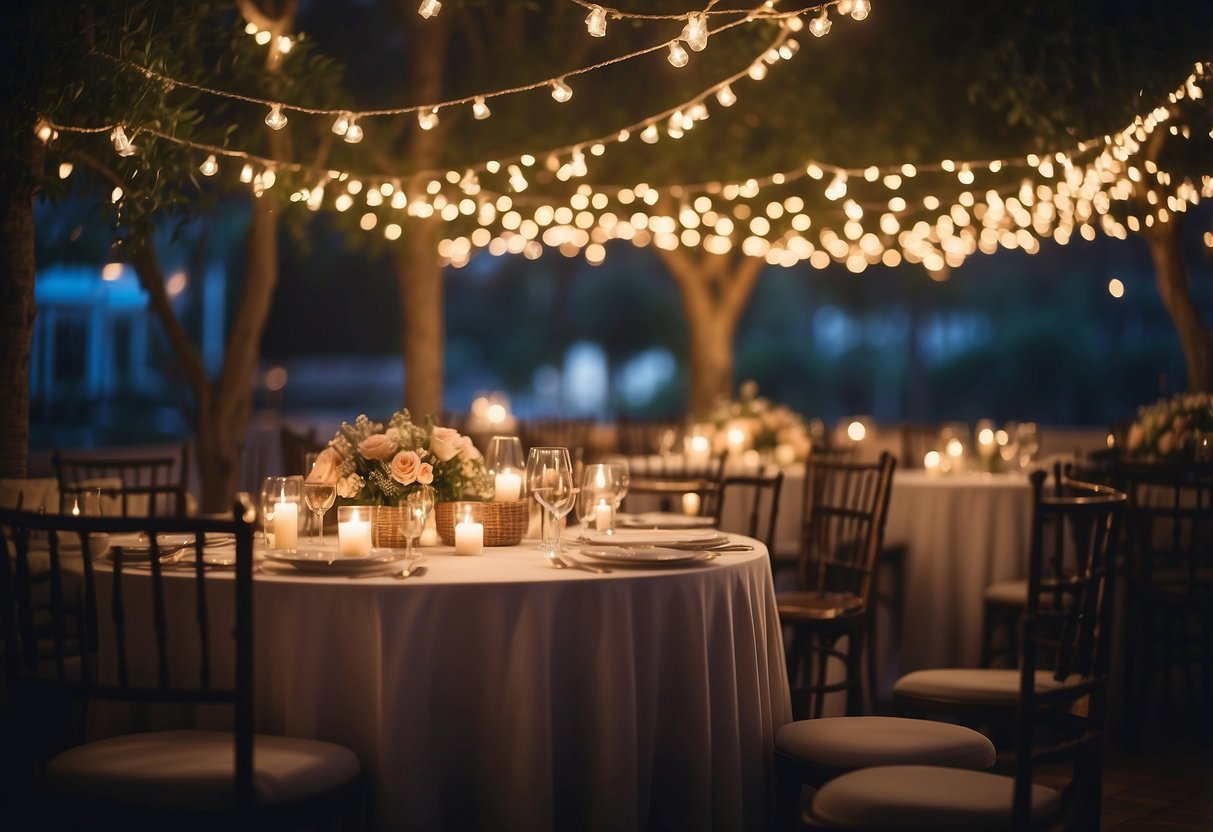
(469, 529)
(507, 466)
(603, 486)
(354, 529)
(281, 512)
(504, 523)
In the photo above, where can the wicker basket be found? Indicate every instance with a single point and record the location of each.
(504, 523)
(385, 526)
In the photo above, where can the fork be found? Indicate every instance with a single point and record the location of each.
(561, 563)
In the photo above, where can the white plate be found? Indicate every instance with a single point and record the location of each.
(673, 538)
(645, 556)
(326, 560)
(664, 520)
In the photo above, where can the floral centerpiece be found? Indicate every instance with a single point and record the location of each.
(753, 422)
(1169, 428)
(374, 465)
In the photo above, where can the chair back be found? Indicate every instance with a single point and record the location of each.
(71, 623)
(1066, 633)
(756, 498)
(845, 506)
(668, 477)
(296, 445)
(573, 434)
(640, 437)
(1170, 528)
(130, 485)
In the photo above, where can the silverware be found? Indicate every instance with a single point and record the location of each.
(561, 563)
(413, 567)
(411, 572)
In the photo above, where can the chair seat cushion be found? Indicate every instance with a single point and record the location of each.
(974, 685)
(926, 797)
(193, 770)
(811, 606)
(1008, 593)
(848, 743)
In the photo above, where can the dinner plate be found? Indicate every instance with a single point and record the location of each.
(663, 520)
(672, 538)
(138, 548)
(326, 560)
(645, 555)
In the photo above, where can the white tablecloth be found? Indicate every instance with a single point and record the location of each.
(498, 693)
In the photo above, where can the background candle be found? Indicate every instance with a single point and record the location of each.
(469, 537)
(354, 537)
(604, 516)
(690, 503)
(508, 486)
(286, 525)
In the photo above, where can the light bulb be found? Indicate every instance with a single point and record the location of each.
(427, 119)
(649, 135)
(284, 44)
(758, 70)
(561, 91)
(678, 55)
(246, 173)
(860, 9)
(844, 6)
(695, 33)
(209, 167)
(726, 96)
(596, 22)
(837, 188)
(275, 120)
(342, 123)
(65, 170)
(44, 131)
(122, 144)
(820, 25)
(353, 133)
(480, 110)
(429, 8)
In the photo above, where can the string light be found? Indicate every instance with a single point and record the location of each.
(725, 96)
(429, 8)
(695, 33)
(210, 166)
(860, 9)
(427, 119)
(353, 131)
(596, 22)
(275, 120)
(678, 56)
(341, 124)
(561, 91)
(122, 144)
(480, 110)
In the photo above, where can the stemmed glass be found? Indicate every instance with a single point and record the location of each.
(417, 507)
(1028, 440)
(602, 484)
(319, 496)
(549, 478)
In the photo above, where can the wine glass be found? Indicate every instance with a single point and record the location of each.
(318, 494)
(417, 507)
(602, 488)
(549, 478)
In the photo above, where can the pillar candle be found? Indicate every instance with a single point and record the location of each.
(508, 486)
(354, 537)
(469, 537)
(690, 503)
(286, 525)
(604, 516)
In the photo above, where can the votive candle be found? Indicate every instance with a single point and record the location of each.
(690, 504)
(286, 525)
(469, 537)
(507, 486)
(354, 537)
(604, 516)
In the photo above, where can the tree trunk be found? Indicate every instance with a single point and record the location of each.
(418, 272)
(16, 314)
(715, 290)
(1171, 275)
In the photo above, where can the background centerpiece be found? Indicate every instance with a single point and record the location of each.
(380, 466)
(1179, 427)
(753, 423)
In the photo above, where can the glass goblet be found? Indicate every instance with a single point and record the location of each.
(417, 506)
(549, 479)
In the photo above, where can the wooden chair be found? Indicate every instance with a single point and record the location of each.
(1169, 577)
(296, 445)
(573, 434)
(845, 505)
(130, 485)
(756, 496)
(641, 437)
(1057, 696)
(668, 478)
(180, 779)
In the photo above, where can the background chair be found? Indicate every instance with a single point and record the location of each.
(640, 437)
(296, 445)
(131, 485)
(755, 498)
(1169, 576)
(1058, 695)
(573, 434)
(188, 779)
(666, 479)
(829, 614)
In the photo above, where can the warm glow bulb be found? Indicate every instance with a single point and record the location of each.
(429, 8)
(1116, 288)
(726, 96)
(678, 56)
(427, 119)
(596, 22)
(353, 133)
(246, 173)
(860, 9)
(695, 33)
(275, 120)
(856, 431)
(65, 170)
(480, 110)
(561, 91)
(122, 144)
(209, 167)
(341, 123)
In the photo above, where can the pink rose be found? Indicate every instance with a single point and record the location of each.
(405, 467)
(325, 467)
(444, 443)
(467, 449)
(425, 473)
(377, 447)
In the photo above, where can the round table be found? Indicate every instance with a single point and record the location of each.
(496, 692)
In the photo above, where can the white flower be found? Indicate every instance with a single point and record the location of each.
(350, 486)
